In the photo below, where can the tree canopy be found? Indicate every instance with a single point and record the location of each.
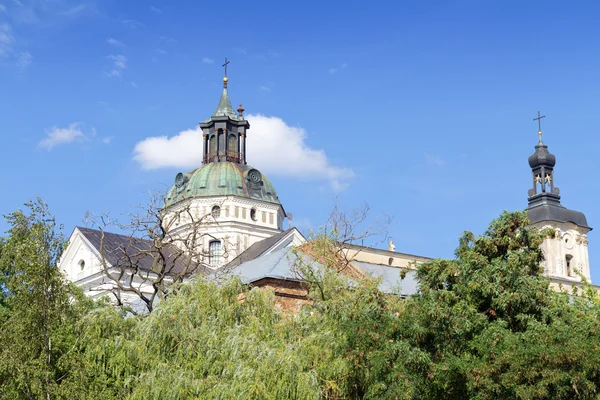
(485, 325)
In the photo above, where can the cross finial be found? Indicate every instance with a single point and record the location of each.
(225, 65)
(539, 120)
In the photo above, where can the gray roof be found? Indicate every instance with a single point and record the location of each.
(391, 282)
(224, 109)
(281, 264)
(257, 249)
(555, 212)
(132, 252)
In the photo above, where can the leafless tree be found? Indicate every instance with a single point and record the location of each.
(161, 248)
(340, 241)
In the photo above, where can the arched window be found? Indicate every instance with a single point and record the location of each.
(215, 254)
(81, 264)
(213, 145)
(568, 259)
(253, 214)
(232, 143)
(216, 211)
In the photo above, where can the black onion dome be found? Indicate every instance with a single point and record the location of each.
(542, 157)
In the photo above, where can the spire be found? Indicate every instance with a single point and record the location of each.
(225, 109)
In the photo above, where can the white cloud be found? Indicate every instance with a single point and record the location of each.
(183, 150)
(115, 42)
(24, 60)
(7, 40)
(77, 10)
(207, 60)
(264, 88)
(9, 49)
(56, 136)
(131, 23)
(273, 146)
(334, 70)
(106, 140)
(119, 64)
(433, 160)
(2, 8)
(156, 10)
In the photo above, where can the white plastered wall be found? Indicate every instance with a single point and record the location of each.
(566, 254)
(234, 227)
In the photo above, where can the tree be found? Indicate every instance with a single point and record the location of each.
(487, 325)
(39, 327)
(163, 247)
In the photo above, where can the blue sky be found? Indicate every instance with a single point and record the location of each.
(422, 109)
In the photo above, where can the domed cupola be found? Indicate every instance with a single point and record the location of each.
(225, 204)
(224, 171)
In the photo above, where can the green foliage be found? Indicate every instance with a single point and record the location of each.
(485, 325)
(40, 310)
(488, 325)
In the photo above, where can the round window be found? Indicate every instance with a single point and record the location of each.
(216, 211)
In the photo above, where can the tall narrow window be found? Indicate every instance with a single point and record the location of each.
(213, 145)
(215, 254)
(232, 143)
(568, 259)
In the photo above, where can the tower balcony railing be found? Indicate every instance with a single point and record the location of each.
(231, 156)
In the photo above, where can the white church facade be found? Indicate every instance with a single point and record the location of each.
(227, 214)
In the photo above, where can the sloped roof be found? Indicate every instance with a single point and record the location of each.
(129, 251)
(258, 248)
(282, 264)
(391, 281)
(224, 109)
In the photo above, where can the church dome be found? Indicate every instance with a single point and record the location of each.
(542, 157)
(222, 179)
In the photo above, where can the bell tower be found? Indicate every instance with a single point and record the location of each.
(566, 254)
(224, 134)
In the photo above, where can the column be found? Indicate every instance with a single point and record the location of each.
(243, 148)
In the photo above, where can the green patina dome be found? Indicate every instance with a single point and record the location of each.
(222, 179)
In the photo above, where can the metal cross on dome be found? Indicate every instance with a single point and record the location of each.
(225, 65)
(539, 120)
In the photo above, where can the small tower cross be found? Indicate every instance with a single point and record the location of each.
(225, 65)
(539, 120)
